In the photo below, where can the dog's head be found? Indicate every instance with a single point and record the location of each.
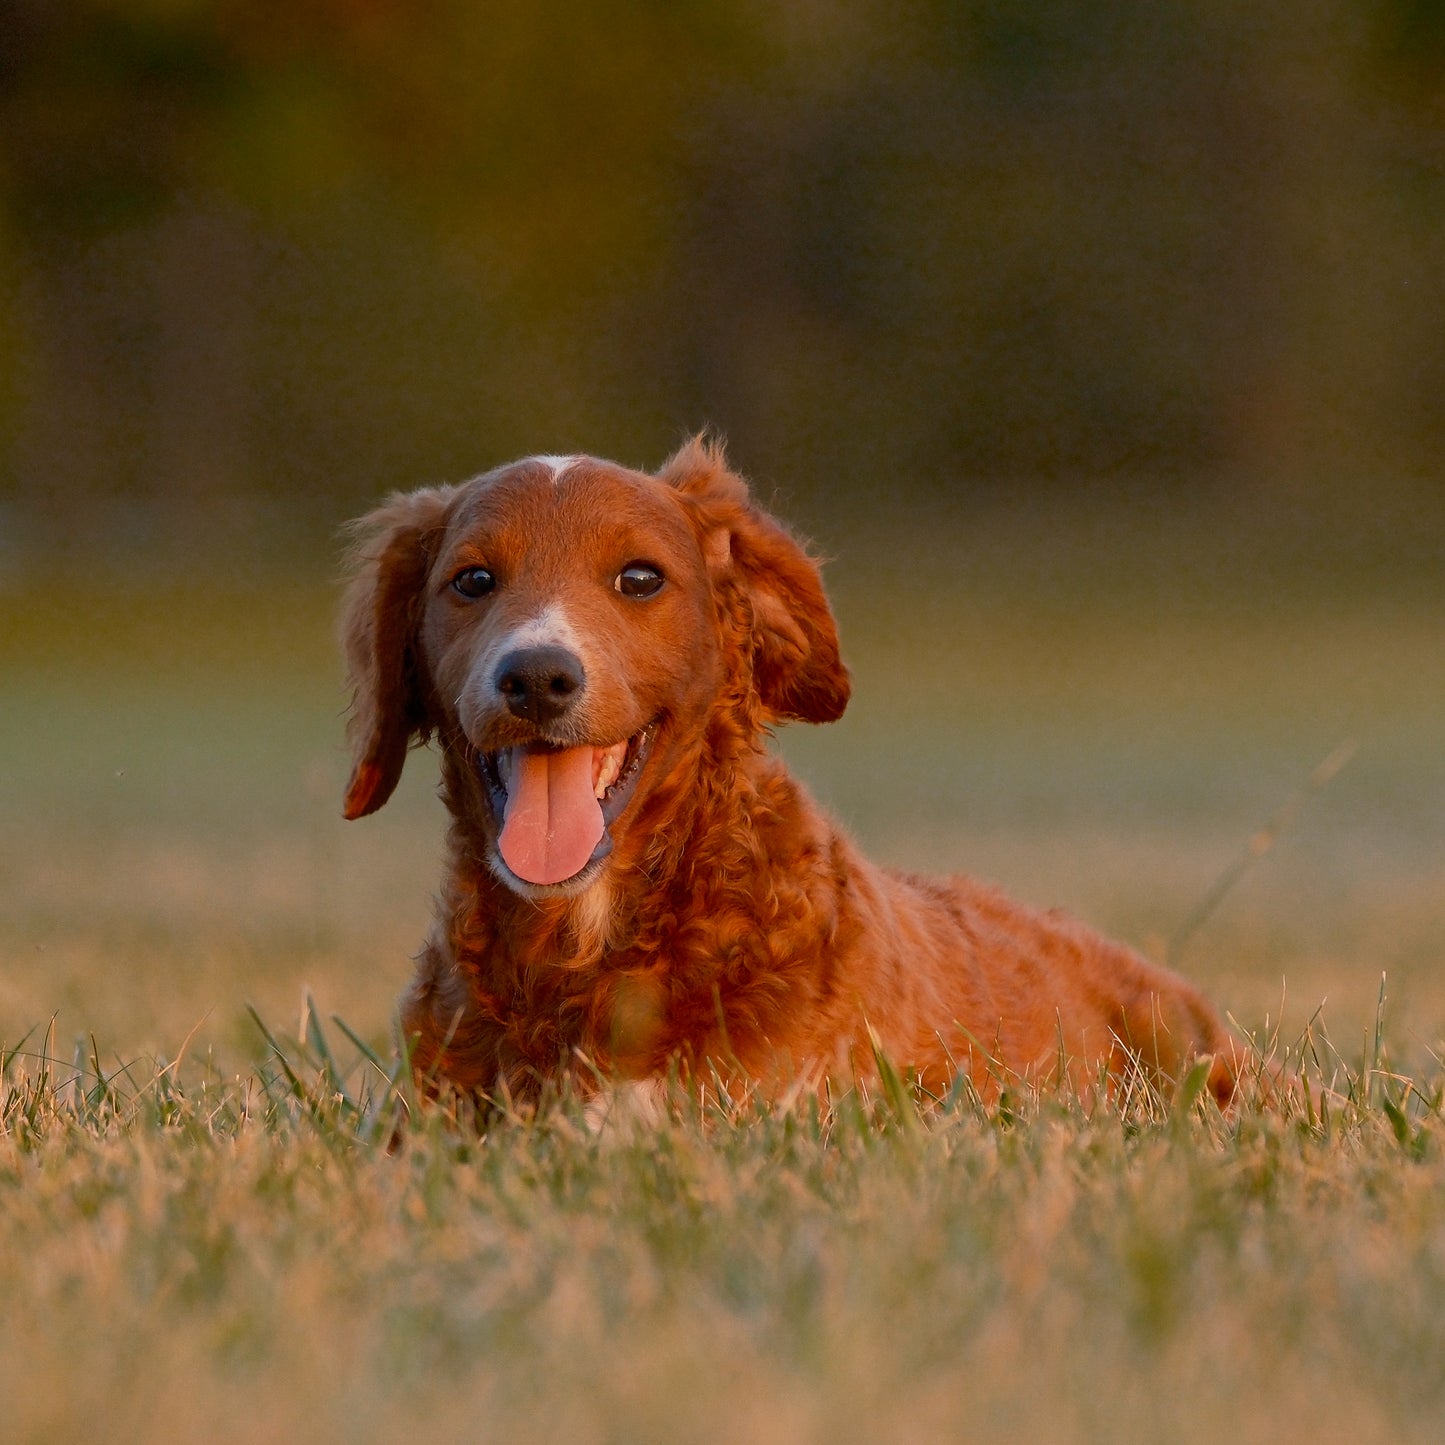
(569, 628)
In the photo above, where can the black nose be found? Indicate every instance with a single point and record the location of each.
(540, 683)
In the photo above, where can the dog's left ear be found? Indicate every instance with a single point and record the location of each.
(379, 625)
(796, 665)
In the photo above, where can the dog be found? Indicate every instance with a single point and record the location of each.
(636, 889)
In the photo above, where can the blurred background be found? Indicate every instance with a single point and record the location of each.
(1101, 348)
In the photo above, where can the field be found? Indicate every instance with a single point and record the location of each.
(196, 1245)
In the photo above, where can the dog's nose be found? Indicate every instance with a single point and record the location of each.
(540, 683)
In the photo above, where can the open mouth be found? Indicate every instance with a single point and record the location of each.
(554, 805)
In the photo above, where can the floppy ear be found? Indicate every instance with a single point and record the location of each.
(379, 621)
(796, 666)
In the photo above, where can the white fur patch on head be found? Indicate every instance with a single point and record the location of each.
(557, 465)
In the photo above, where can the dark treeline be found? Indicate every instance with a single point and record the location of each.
(282, 255)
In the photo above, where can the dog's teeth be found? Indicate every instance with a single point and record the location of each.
(607, 767)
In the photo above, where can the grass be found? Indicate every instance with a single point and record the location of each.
(204, 1236)
(241, 1258)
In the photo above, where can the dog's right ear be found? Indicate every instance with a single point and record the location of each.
(796, 669)
(394, 550)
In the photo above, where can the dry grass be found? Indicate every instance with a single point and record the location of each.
(240, 1258)
(212, 1249)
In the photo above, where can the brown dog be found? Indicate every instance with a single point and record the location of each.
(634, 884)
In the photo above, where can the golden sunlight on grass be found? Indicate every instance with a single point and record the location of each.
(203, 1236)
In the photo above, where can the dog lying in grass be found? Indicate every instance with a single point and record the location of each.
(635, 888)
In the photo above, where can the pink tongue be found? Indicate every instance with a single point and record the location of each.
(552, 821)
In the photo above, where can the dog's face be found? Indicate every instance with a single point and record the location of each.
(568, 631)
(569, 628)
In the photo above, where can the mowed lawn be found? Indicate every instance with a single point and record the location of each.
(206, 1249)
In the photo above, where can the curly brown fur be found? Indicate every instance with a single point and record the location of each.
(733, 930)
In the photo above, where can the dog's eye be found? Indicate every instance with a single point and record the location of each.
(474, 582)
(639, 579)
